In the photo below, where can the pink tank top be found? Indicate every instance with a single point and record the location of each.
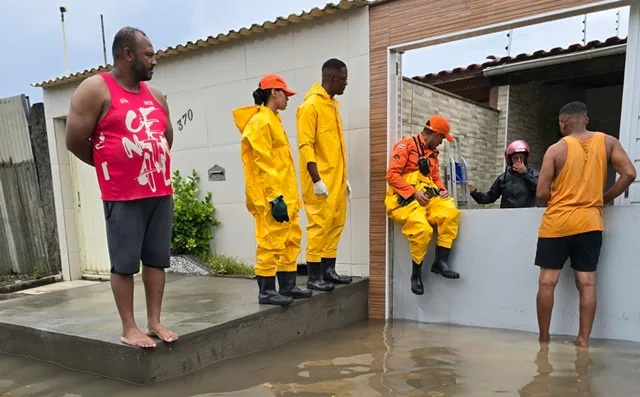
(130, 151)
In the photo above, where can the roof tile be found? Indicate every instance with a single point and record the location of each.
(496, 61)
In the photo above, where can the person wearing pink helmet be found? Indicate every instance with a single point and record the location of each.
(517, 184)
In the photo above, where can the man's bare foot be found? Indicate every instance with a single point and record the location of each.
(135, 337)
(581, 342)
(544, 338)
(161, 332)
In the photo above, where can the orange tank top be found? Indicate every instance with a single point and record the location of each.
(577, 193)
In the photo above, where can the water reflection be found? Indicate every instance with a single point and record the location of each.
(374, 359)
(429, 371)
(570, 383)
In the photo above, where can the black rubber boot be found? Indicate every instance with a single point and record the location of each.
(288, 287)
(416, 279)
(441, 264)
(268, 294)
(329, 270)
(316, 279)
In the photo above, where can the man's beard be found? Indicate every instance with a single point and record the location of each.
(141, 73)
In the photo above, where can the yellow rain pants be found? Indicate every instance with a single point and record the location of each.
(278, 245)
(417, 220)
(321, 141)
(269, 172)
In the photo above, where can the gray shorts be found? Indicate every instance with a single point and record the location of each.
(139, 230)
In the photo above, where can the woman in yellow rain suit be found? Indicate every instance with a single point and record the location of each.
(271, 191)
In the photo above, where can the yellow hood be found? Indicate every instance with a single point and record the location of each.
(242, 115)
(317, 89)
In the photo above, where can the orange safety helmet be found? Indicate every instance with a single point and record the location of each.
(518, 146)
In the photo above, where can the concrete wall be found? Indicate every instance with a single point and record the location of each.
(211, 83)
(474, 125)
(498, 283)
(40, 147)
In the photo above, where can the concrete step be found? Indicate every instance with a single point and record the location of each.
(216, 318)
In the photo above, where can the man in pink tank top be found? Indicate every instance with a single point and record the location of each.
(120, 125)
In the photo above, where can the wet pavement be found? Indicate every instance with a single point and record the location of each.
(373, 359)
(216, 317)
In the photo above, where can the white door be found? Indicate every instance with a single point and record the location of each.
(92, 236)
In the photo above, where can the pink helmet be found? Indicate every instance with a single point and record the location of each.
(518, 146)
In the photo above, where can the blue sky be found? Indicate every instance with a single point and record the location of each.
(32, 37)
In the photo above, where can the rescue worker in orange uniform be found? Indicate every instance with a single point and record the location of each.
(417, 199)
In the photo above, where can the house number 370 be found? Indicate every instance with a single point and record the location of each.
(184, 119)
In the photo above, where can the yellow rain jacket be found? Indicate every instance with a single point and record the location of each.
(269, 172)
(416, 220)
(321, 140)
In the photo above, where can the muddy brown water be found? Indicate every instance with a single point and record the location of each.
(374, 359)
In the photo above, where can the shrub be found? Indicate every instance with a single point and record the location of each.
(221, 264)
(193, 218)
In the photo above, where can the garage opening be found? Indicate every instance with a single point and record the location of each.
(504, 95)
(508, 95)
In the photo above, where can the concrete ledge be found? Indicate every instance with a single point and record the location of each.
(216, 318)
(494, 253)
(20, 286)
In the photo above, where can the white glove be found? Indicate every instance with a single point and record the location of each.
(348, 190)
(319, 188)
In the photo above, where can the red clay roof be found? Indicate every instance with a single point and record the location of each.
(578, 47)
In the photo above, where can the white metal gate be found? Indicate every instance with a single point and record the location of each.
(92, 236)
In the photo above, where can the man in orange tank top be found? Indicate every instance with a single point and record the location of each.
(571, 184)
(121, 126)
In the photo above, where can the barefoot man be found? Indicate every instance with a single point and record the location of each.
(571, 184)
(120, 125)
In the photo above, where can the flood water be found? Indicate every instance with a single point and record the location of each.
(374, 359)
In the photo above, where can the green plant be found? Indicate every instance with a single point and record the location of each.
(193, 218)
(222, 264)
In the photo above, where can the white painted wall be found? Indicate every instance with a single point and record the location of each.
(56, 104)
(212, 83)
(495, 252)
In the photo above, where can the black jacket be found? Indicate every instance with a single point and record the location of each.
(517, 190)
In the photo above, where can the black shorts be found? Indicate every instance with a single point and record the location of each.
(583, 249)
(139, 231)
